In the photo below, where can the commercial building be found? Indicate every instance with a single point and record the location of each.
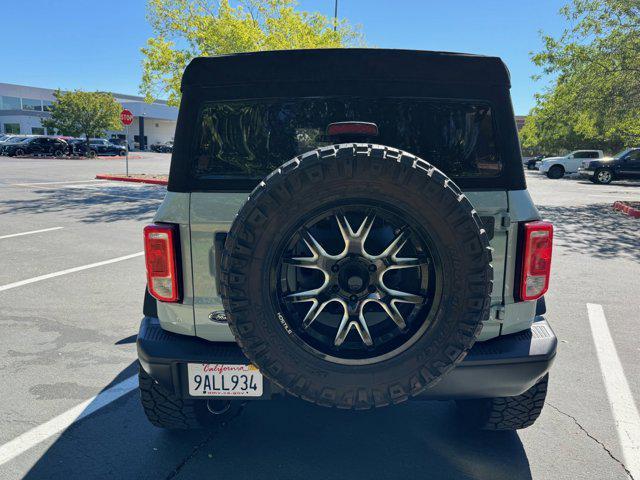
(22, 109)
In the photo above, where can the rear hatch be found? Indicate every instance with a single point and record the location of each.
(241, 141)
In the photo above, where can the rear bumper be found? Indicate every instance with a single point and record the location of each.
(586, 173)
(502, 367)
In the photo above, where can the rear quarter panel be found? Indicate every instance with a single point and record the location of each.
(211, 213)
(178, 317)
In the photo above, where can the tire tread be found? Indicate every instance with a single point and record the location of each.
(401, 168)
(507, 413)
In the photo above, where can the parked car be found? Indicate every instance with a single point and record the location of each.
(369, 264)
(7, 139)
(557, 167)
(77, 147)
(625, 164)
(166, 147)
(101, 146)
(118, 141)
(530, 162)
(37, 146)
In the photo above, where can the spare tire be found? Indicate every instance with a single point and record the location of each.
(356, 276)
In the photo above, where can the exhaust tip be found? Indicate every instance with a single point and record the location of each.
(218, 407)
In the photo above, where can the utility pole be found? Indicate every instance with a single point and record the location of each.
(335, 16)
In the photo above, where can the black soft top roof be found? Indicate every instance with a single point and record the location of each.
(319, 65)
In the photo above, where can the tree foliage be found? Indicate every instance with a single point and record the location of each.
(84, 113)
(185, 29)
(594, 97)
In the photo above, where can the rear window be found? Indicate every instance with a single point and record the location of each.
(252, 138)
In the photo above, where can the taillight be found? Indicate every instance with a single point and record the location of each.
(536, 260)
(160, 247)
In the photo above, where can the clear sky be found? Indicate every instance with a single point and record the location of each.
(95, 44)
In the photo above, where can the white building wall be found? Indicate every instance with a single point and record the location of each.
(26, 123)
(159, 131)
(159, 125)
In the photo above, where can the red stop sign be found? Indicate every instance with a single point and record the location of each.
(126, 117)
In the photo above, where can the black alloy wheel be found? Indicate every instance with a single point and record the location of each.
(357, 283)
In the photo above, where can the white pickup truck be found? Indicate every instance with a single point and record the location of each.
(557, 167)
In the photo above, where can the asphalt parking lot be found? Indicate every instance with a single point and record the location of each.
(71, 291)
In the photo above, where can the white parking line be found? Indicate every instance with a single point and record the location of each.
(65, 272)
(29, 233)
(625, 413)
(39, 434)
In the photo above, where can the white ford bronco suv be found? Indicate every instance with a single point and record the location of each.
(350, 227)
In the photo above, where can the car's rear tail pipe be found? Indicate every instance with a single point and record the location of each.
(218, 407)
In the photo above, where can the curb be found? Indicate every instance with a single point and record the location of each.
(626, 209)
(122, 178)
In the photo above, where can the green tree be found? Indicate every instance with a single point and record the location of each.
(594, 96)
(84, 113)
(185, 29)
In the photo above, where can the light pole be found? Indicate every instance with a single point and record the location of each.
(335, 16)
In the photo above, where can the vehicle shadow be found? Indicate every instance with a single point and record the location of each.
(92, 204)
(284, 439)
(595, 230)
(126, 340)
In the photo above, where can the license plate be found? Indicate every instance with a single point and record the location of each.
(220, 380)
